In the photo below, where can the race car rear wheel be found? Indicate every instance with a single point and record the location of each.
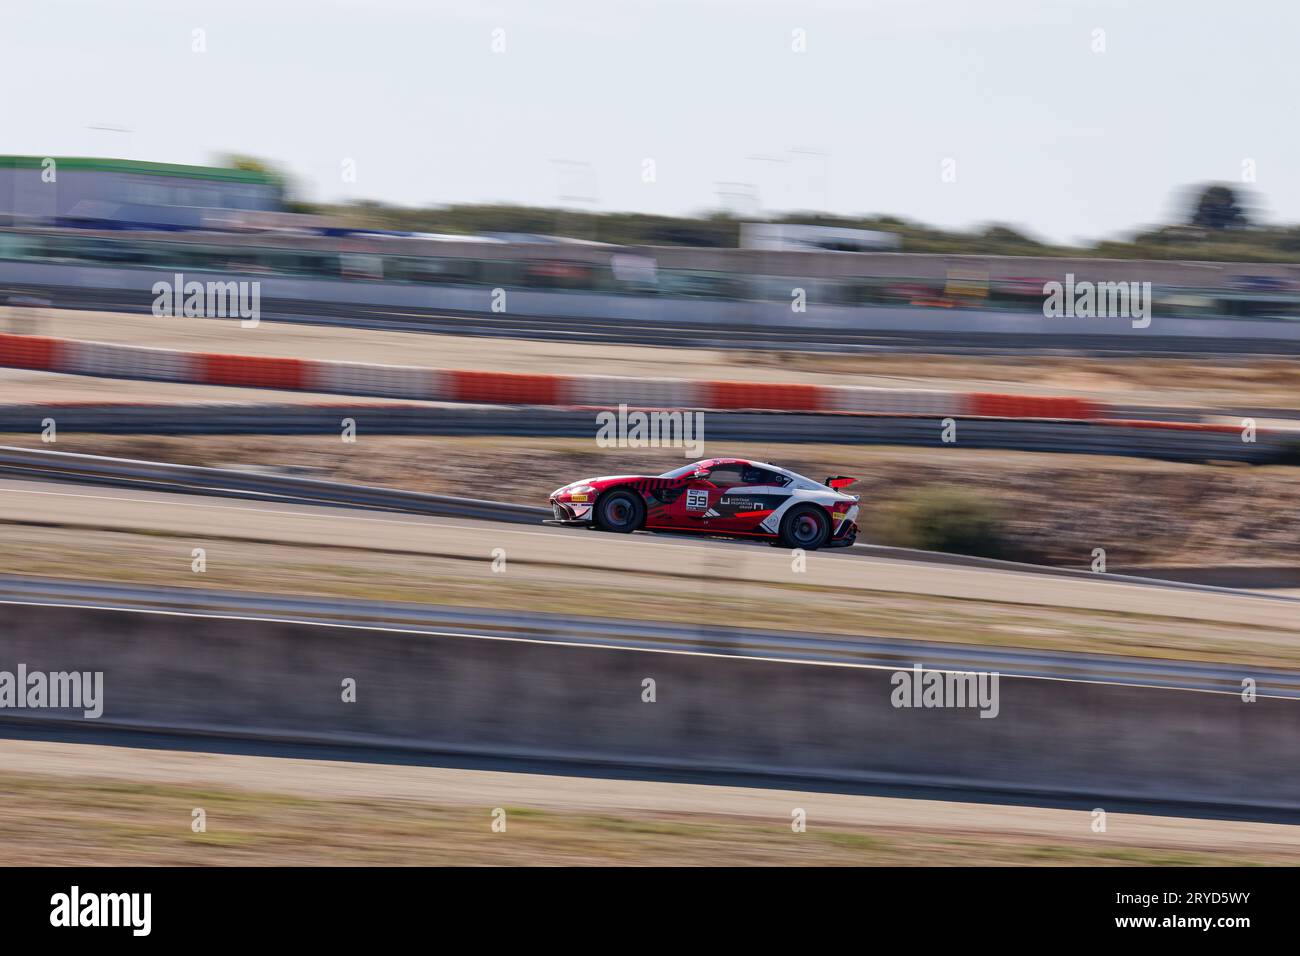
(620, 511)
(805, 526)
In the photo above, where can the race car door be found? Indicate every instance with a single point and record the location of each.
(694, 508)
(749, 494)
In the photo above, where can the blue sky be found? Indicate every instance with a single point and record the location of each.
(1045, 132)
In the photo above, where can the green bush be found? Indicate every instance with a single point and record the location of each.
(939, 518)
(1289, 453)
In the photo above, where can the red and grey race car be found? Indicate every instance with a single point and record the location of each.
(723, 496)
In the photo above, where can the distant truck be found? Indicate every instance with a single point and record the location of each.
(787, 237)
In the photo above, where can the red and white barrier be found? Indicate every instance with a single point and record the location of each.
(515, 388)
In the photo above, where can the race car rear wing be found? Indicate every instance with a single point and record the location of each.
(838, 481)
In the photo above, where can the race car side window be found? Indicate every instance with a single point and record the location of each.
(725, 476)
(762, 476)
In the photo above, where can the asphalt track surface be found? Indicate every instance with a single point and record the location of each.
(57, 503)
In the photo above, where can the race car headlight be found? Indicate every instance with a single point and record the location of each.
(579, 493)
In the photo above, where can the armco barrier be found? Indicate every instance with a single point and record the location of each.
(726, 431)
(513, 388)
(662, 636)
(453, 692)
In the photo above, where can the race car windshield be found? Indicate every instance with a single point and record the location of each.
(681, 472)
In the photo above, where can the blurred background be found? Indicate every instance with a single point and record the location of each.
(466, 231)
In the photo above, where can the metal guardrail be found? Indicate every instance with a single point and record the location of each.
(1067, 437)
(230, 482)
(868, 651)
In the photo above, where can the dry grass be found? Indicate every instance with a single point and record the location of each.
(106, 822)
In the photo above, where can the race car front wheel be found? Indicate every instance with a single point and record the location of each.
(805, 526)
(620, 511)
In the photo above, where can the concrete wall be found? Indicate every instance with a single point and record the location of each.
(508, 697)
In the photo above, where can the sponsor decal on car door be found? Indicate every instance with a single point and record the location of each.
(744, 508)
(682, 507)
(697, 502)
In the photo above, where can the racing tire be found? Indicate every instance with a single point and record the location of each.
(620, 511)
(805, 526)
